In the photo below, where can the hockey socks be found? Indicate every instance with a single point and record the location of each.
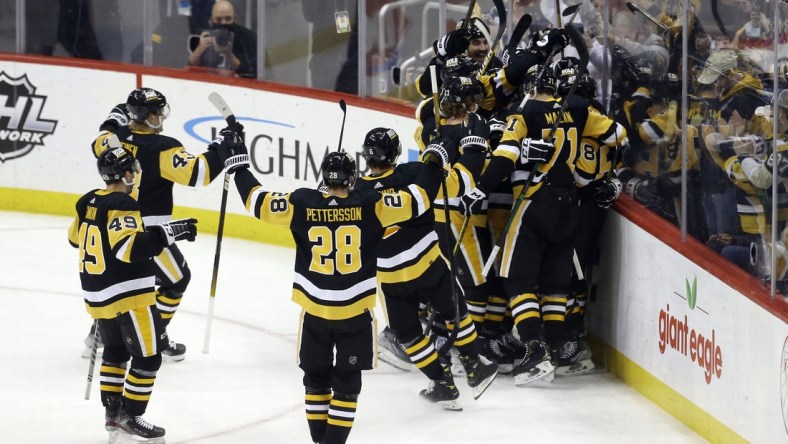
(341, 413)
(316, 405)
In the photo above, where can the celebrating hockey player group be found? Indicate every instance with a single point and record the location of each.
(513, 159)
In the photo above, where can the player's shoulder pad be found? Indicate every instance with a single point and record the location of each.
(121, 201)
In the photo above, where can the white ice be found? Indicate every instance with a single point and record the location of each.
(248, 388)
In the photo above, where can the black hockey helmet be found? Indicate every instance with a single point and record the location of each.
(143, 102)
(586, 86)
(666, 86)
(460, 95)
(381, 147)
(338, 170)
(114, 162)
(536, 77)
(474, 28)
(637, 72)
(459, 66)
(565, 72)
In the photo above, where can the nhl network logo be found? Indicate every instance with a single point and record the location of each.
(21, 125)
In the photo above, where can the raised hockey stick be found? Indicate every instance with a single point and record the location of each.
(342, 105)
(518, 33)
(92, 365)
(499, 6)
(579, 44)
(228, 115)
(636, 9)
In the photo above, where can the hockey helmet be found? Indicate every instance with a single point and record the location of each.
(381, 147)
(565, 71)
(475, 28)
(666, 86)
(539, 77)
(459, 66)
(637, 72)
(114, 162)
(143, 102)
(586, 86)
(459, 95)
(338, 170)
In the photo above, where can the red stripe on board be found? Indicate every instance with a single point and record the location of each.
(199, 75)
(702, 255)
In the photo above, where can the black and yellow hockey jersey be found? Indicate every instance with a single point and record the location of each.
(410, 247)
(115, 254)
(536, 120)
(336, 238)
(164, 162)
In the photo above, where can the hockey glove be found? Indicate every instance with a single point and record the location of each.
(435, 154)
(606, 192)
(535, 151)
(475, 133)
(497, 128)
(176, 230)
(451, 44)
(643, 191)
(232, 151)
(782, 164)
(667, 187)
(118, 117)
(235, 127)
(472, 201)
(549, 40)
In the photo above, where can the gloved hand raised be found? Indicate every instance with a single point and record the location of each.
(535, 151)
(435, 154)
(549, 40)
(475, 132)
(176, 230)
(497, 127)
(232, 151)
(452, 44)
(118, 117)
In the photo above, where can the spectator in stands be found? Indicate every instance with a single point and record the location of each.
(754, 33)
(227, 45)
(638, 37)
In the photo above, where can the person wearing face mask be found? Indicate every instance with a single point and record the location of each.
(227, 45)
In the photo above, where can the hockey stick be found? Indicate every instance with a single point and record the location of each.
(517, 34)
(228, 115)
(577, 41)
(467, 21)
(499, 6)
(92, 365)
(636, 9)
(342, 105)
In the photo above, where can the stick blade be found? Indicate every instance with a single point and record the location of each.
(570, 10)
(631, 7)
(221, 106)
(519, 31)
(342, 104)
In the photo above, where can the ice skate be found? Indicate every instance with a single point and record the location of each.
(174, 352)
(503, 350)
(112, 413)
(443, 392)
(138, 430)
(575, 358)
(392, 352)
(535, 365)
(481, 373)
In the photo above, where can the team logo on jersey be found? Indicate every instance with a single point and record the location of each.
(21, 124)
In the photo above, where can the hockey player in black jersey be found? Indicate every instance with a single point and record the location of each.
(410, 266)
(336, 235)
(536, 264)
(117, 273)
(166, 163)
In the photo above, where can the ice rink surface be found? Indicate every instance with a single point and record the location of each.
(248, 388)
